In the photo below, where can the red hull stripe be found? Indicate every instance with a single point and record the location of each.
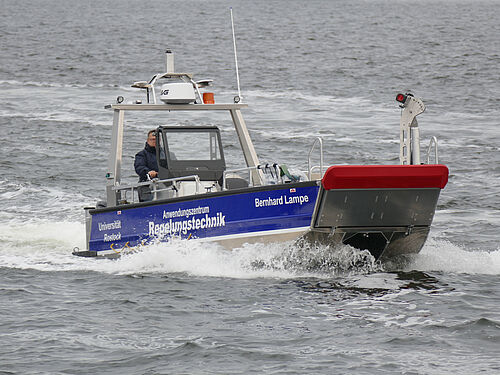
(385, 176)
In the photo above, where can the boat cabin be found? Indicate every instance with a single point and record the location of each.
(190, 158)
(178, 158)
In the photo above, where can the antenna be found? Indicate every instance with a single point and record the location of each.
(169, 61)
(238, 98)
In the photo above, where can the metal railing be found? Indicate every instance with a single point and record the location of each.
(154, 186)
(432, 142)
(238, 170)
(272, 170)
(309, 168)
(314, 168)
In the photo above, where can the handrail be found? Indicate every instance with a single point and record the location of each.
(320, 141)
(431, 142)
(313, 168)
(261, 167)
(154, 182)
(246, 169)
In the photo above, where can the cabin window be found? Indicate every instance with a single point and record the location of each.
(193, 145)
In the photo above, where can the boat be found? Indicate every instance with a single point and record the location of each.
(385, 209)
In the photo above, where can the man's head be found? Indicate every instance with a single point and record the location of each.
(152, 138)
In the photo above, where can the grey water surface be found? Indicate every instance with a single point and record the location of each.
(308, 69)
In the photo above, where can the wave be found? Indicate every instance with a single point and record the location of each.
(41, 245)
(24, 84)
(29, 202)
(442, 255)
(315, 100)
(47, 246)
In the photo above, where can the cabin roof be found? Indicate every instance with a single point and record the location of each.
(176, 107)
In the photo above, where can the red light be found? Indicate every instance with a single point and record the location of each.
(401, 98)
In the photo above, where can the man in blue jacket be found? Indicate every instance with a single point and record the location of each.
(145, 165)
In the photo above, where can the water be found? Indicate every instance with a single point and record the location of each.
(326, 68)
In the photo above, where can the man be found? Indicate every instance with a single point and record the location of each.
(145, 165)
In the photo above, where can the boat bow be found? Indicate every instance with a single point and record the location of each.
(386, 209)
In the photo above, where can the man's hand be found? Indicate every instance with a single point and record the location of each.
(153, 174)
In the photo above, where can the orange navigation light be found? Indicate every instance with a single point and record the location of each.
(208, 98)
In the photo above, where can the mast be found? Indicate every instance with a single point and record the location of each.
(409, 136)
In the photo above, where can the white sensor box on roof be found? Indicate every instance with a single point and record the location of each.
(177, 93)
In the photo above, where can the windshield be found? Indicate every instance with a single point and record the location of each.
(193, 145)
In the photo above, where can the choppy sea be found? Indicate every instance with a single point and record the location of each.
(307, 68)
